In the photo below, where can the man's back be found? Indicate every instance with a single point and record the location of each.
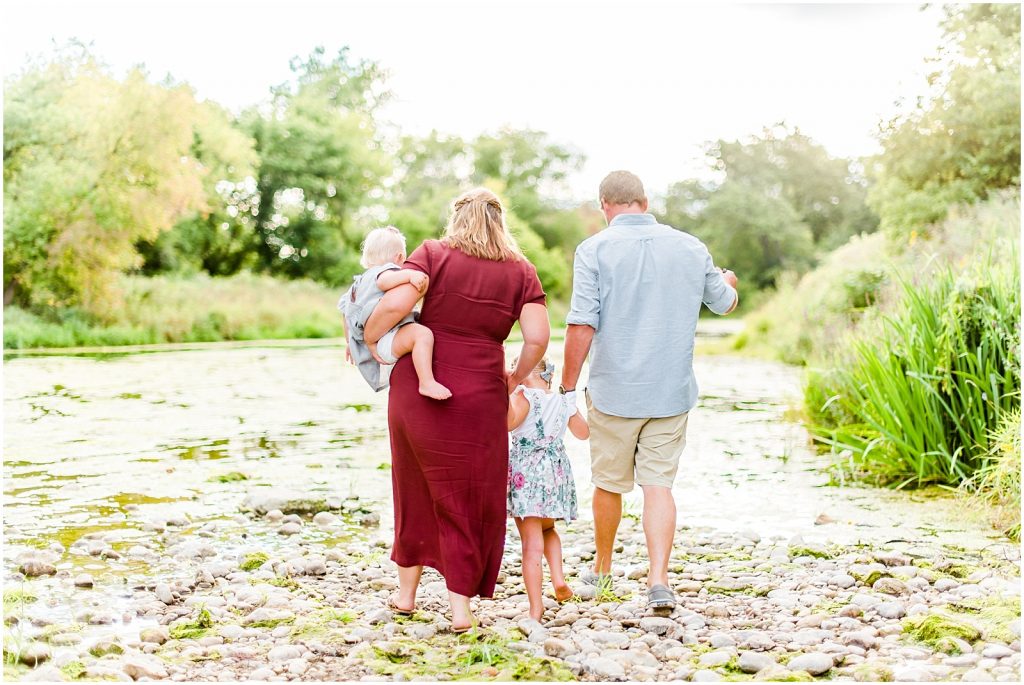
(640, 285)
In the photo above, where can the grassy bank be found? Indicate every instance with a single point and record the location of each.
(913, 355)
(167, 309)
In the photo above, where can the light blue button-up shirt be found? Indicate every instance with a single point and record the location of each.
(640, 285)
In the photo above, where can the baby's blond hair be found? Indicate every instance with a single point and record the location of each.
(381, 245)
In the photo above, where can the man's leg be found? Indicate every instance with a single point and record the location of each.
(659, 529)
(659, 448)
(607, 514)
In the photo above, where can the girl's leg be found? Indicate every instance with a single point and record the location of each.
(462, 615)
(532, 536)
(553, 553)
(408, 583)
(419, 340)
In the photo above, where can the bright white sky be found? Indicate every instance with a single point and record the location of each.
(637, 85)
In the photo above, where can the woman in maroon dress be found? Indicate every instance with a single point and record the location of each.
(450, 457)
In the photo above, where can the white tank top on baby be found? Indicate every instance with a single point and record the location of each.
(554, 413)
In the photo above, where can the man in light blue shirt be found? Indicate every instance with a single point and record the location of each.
(638, 287)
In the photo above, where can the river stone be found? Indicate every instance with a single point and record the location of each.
(325, 519)
(864, 639)
(842, 580)
(717, 658)
(605, 668)
(558, 648)
(891, 610)
(284, 653)
(996, 652)
(890, 586)
(33, 654)
(913, 673)
(297, 666)
(155, 634)
(164, 594)
(231, 631)
(705, 675)
(283, 501)
(37, 567)
(945, 584)
(659, 625)
(139, 666)
(609, 639)
(262, 674)
(873, 671)
(977, 675)
(753, 662)
(290, 528)
(44, 674)
(814, 663)
(267, 614)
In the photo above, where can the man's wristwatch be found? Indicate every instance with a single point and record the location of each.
(562, 389)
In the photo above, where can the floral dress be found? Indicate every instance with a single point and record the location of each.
(540, 480)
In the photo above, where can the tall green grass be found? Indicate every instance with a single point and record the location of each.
(913, 395)
(196, 308)
(996, 485)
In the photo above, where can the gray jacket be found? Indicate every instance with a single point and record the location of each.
(356, 305)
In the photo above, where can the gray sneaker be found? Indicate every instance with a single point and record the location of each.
(660, 599)
(598, 580)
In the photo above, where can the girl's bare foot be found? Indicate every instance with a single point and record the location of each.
(435, 390)
(563, 593)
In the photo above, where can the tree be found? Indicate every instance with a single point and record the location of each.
(963, 141)
(757, 236)
(828, 193)
(92, 165)
(320, 160)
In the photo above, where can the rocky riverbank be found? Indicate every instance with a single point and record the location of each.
(305, 609)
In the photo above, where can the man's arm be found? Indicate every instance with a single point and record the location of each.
(584, 315)
(578, 338)
(720, 293)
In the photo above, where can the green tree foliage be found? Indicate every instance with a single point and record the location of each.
(522, 166)
(755, 235)
(782, 200)
(963, 142)
(92, 165)
(320, 161)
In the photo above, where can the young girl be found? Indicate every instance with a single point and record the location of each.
(541, 488)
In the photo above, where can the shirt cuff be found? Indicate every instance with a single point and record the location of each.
(722, 305)
(581, 319)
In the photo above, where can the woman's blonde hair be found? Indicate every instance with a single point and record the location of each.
(477, 227)
(381, 245)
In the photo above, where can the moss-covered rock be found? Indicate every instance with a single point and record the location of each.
(253, 561)
(935, 629)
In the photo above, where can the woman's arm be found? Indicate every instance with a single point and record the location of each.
(578, 426)
(396, 304)
(518, 408)
(533, 321)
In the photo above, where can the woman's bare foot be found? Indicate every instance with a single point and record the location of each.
(435, 390)
(563, 593)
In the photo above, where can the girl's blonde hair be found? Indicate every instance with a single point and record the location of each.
(381, 245)
(477, 227)
(545, 369)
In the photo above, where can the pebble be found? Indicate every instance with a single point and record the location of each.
(891, 610)
(753, 662)
(290, 528)
(814, 663)
(284, 653)
(605, 668)
(706, 676)
(996, 652)
(37, 567)
(156, 634)
(717, 658)
(138, 666)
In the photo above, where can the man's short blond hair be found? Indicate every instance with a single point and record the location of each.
(622, 188)
(381, 246)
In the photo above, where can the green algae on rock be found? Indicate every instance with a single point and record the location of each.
(935, 629)
(253, 561)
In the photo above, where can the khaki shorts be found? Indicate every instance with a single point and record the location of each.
(624, 451)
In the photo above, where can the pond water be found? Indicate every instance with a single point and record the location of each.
(103, 447)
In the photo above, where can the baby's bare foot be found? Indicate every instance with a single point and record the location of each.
(563, 593)
(435, 390)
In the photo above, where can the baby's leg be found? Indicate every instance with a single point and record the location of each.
(419, 340)
(553, 553)
(533, 551)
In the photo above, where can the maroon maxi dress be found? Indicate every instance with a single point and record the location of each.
(450, 457)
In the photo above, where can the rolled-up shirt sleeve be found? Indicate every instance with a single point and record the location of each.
(719, 296)
(585, 307)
